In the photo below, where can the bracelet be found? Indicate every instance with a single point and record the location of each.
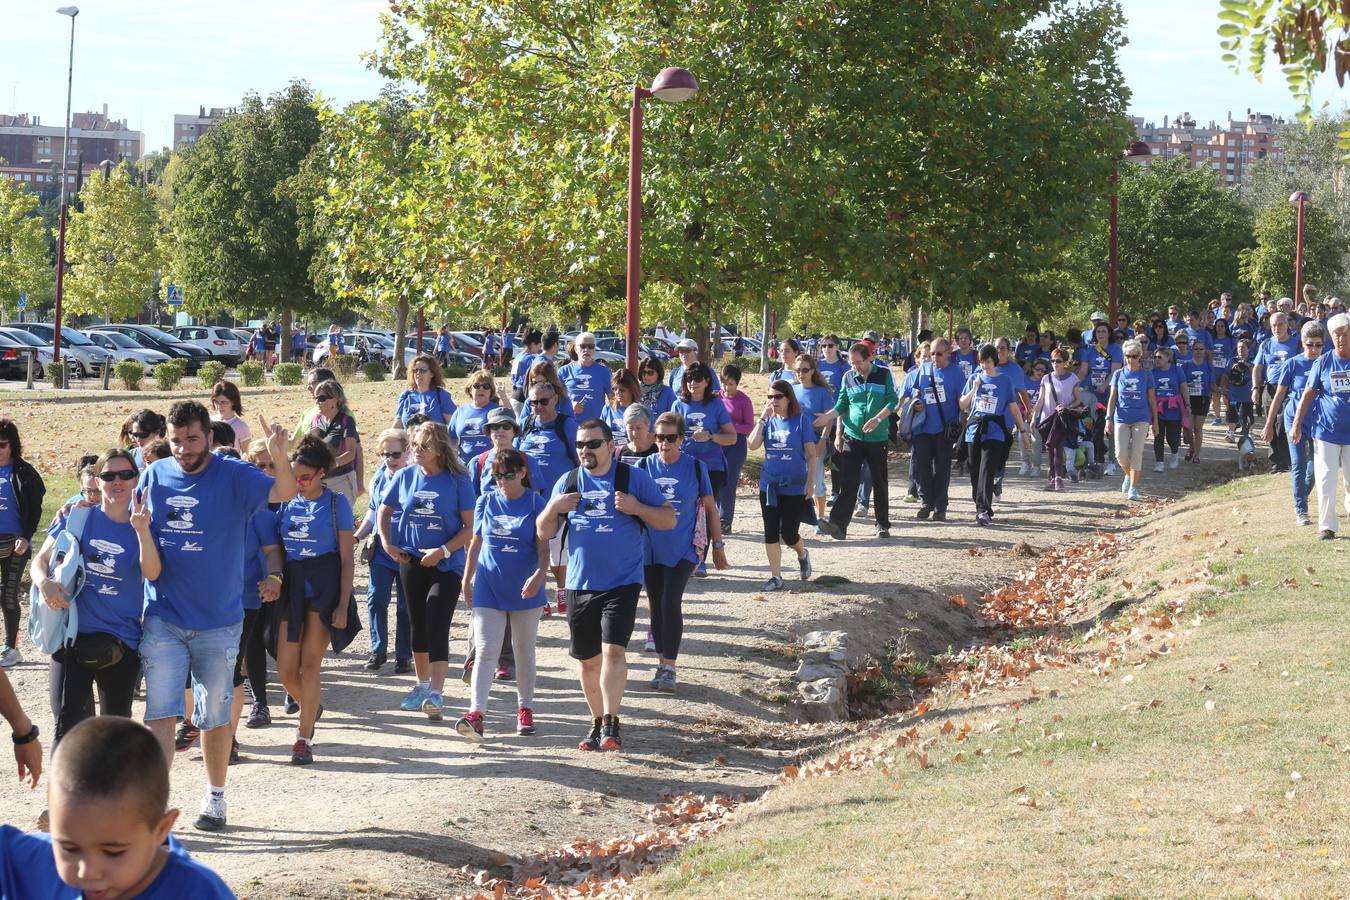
(28, 738)
(719, 545)
(276, 576)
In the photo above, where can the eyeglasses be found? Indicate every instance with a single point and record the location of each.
(695, 379)
(141, 435)
(667, 438)
(651, 372)
(829, 346)
(119, 475)
(421, 370)
(306, 478)
(506, 476)
(501, 426)
(324, 398)
(541, 401)
(91, 493)
(592, 444)
(391, 454)
(1133, 355)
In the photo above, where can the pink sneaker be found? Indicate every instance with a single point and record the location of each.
(524, 720)
(560, 598)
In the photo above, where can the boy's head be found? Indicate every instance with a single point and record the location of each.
(108, 800)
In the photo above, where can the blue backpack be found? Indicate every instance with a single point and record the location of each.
(53, 629)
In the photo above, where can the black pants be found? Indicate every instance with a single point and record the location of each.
(12, 568)
(72, 688)
(252, 658)
(932, 467)
(432, 595)
(665, 591)
(783, 522)
(1279, 446)
(1169, 430)
(1003, 461)
(857, 454)
(986, 461)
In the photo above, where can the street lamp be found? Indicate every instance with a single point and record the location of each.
(1299, 199)
(1134, 153)
(71, 11)
(673, 85)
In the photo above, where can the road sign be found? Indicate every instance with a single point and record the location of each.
(175, 295)
(23, 300)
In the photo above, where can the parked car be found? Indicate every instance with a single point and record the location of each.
(152, 338)
(222, 343)
(90, 357)
(14, 353)
(363, 347)
(619, 347)
(23, 342)
(243, 336)
(122, 347)
(461, 345)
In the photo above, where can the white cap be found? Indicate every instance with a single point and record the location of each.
(687, 344)
(1098, 316)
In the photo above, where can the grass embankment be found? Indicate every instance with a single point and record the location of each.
(1218, 767)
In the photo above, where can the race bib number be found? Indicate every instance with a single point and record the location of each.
(1220, 362)
(1340, 382)
(1198, 382)
(1099, 381)
(986, 404)
(934, 398)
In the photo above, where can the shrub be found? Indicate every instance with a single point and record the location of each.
(344, 367)
(210, 372)
(374, 371)
(288, 373)
(130, 372)
(56, 374)
(252, 373)
(168, 374)
(456, 372)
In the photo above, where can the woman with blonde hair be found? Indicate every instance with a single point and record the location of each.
(336, 427)
(1131, 410)
(467, 423)
(392, 448)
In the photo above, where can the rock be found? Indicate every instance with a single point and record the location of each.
(822, 688)
(823, 700)
(816, 670)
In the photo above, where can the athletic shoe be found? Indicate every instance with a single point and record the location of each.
(1125, 485)
(433, 704)
(829, 501)
(773, 584)
(1159, 466)
(911, 498)
(1174, 461)
(301, 754)
(504, 673)
(1035, 471)
(701, 570)
(560, 596)
(984, 518)
(940, 515)
(10, 657)
(1110, 470)
(668, 681)
(804, 565)
(610, 739)
(470, 725)
(1303, 519)
(1134, 494)
(831, 529)
(259, 716)
(212, 814)
(466, 676)
(1050, 484)
(726, 528)
(403, 666)
(1196, 458)
(820, 532)
(650, 646)
(861, 512)
(883, 533)
(657, 677)
(592, 739)
(524, 720)
(923, 513)
(292, 705)
(376, 661)
(1326, 534)
(234, 751)
(1215, 420)
(548, 609)
(187, 736)
(413, 701)
(1074, 476)
(1059, 483)
(1023, 469)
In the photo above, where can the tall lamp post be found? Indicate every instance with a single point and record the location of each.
(1134, 153)
(674, 85)
(1299, 199)
(71, 11)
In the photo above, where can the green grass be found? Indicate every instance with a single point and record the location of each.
(1132, 799)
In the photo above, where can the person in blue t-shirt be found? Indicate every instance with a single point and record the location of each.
(316, 532)
(1097, 362)
(605, 552)
(1198, 373)
(504, 574)
(1170, 384)
(707, 424)
(110, 824)
(1238, 387)
(671, 555)
(1196, 331)
(425, 523)
(1174, 321)
(426, 393)
(833, 365)
(815, 398)
(264, 565)
(938, 385)
(548, 439)
(1029, 347)
(655, 394)
(587, 381)
(119, 554)
(520, 370)
(1222, 354)
(200, 505)
(1293, 381)
(1328, 388)
(298, 345)
(1021, 398)
(466, 424)
(392, 447)
(625, 391)
(1131, 410)
(687, 352)
(790, 448)
(989, 397)
(1272, 351)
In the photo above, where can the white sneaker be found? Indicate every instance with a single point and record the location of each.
(1023, 469)
(1176, 458)
(1159, 466)
(10, 657)
(212, 815)
(1110, 470)
(1035, 471)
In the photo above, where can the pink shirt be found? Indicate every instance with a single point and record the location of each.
(741, 411)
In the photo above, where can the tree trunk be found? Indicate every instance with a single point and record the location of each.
(400, 339)
(697, 304)
(284, 337)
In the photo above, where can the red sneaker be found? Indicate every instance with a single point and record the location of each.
(301, 754)
(560, 597)
(470, 726)
(524, 720)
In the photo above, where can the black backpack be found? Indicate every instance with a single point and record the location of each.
(621, 474)
(528, 425)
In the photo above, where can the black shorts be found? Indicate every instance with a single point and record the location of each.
(1238, 412)
(1200, 406)
(601, 617)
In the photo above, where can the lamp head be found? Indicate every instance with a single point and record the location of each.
(674, 85)
(71, 11)
(1298, 197)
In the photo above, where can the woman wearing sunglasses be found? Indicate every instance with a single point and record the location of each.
(504, 573)
(708, 427)
(656, 395)
(120, 555)
(814, 397)
(789, 449)
(392, 447)
(1131, 410)
(467, 424)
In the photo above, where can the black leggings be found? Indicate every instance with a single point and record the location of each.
(665, 593)
(11, 573)
(432, 595)
(72, 689)
(986, 461)
(1169, 429)
(252, 656)
(783, 521)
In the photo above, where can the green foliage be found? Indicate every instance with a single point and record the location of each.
(24, 262)
(1270, 264)
(210, 372)
(456, 372)
(130, 372)
(168, 373)
(844, 309)
(252, 373)
(374, 371)
(113, 248)
(288, 373)
(345, 366)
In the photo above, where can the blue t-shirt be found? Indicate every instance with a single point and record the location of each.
(1199, 377)
(1175, 325)
(785, 443)
(198, 522)
(435, 403)
(520, 369)
(1242, 329)
(28, 872)
(605, 548)
(1330, 377)
(1294, 375)
(834, 373)
(676, 378)
(10, 523)
(442, 343)
(939, 386)
(969, 363)
(663, 401)
(813, 400)
(1027, 351)
(469, 426)
(1240, 381)
(379, 489)
(1132, 389)
(427, 512)
(588, 386)
(554, 454)
(1273, 352)
(298, 341)
(259, 342)
(1099, 367)
(306, 526)
(261, 532)
(710, 415)
(1199, 336)
(482, 473)
(684, 489)
(1224, 352)
(996, 392)
(612, 415)
(113, 594)
(1167, 383)
(508, 555)
(1019, 381)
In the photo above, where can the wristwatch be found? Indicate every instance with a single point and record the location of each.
(719, 545)
(28, 738)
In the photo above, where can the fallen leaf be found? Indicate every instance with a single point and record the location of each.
(759, 598)
(1026, 801)
(958, 600)
(947, 727)
(1020, 789)
(1016, 751)
(1289, 583)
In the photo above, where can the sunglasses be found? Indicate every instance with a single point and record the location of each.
(1133, 355)
(1316, 345)
(592, 444)
(667, 438)
(541, 401)
(775, 396)
(119, 475)
(506, 476)
(391, 454)
(421, 370)
(585, 346)
(651, 372)
(501, 426)
(324, 398)
(696, 379)
(829, 346)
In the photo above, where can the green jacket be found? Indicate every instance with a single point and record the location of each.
(861, 399)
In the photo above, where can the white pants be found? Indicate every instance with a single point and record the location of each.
(489, 627)
(1330, 462)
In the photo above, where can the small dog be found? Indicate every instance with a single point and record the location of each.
(1246, 454)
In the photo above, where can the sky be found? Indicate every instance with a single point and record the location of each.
(150, 59)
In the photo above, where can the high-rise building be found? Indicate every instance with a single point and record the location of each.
(30, 152)
(1230, 148)
(187, 129)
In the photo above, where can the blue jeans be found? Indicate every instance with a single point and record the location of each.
(726, 497)
(171, 653)
(382, 579)
(1301, 470)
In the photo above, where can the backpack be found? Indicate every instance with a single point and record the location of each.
(528, 425)
(571, 486)
(700, 519)
(50, 629)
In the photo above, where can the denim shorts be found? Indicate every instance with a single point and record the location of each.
(171, 653)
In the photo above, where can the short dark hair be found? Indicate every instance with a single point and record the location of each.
(222, 435)
(600, 424)
(733, 372)
(863, 349)
(322, 374)
(550, 339)
(313, 452)
(10, 432)
(416, 419)
(185, 412)
(534, 336)
(158, 448)
(148, 421)
(114, 758)
(989, 352)
(512, 460)
(654, 364)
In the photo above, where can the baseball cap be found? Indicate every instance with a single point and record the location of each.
(502, 414)
(1098, 316)
(687, 344)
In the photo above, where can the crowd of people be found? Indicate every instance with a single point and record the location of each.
(209, 544)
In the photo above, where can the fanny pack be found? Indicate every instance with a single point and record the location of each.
(96, 650)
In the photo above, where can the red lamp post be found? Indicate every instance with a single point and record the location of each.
(72, 12)
(1299, 199)
(673, 85)
(1133, 153)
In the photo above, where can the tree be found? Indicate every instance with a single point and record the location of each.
(113, 250)
(844, 309)
(25, 266)
(1270, 264)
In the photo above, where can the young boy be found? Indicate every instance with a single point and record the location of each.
(1240, 409)
(108, 796)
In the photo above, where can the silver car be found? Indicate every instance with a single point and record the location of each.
(90, 357)
(122, 347)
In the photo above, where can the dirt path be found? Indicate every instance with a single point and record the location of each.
(396, 803)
